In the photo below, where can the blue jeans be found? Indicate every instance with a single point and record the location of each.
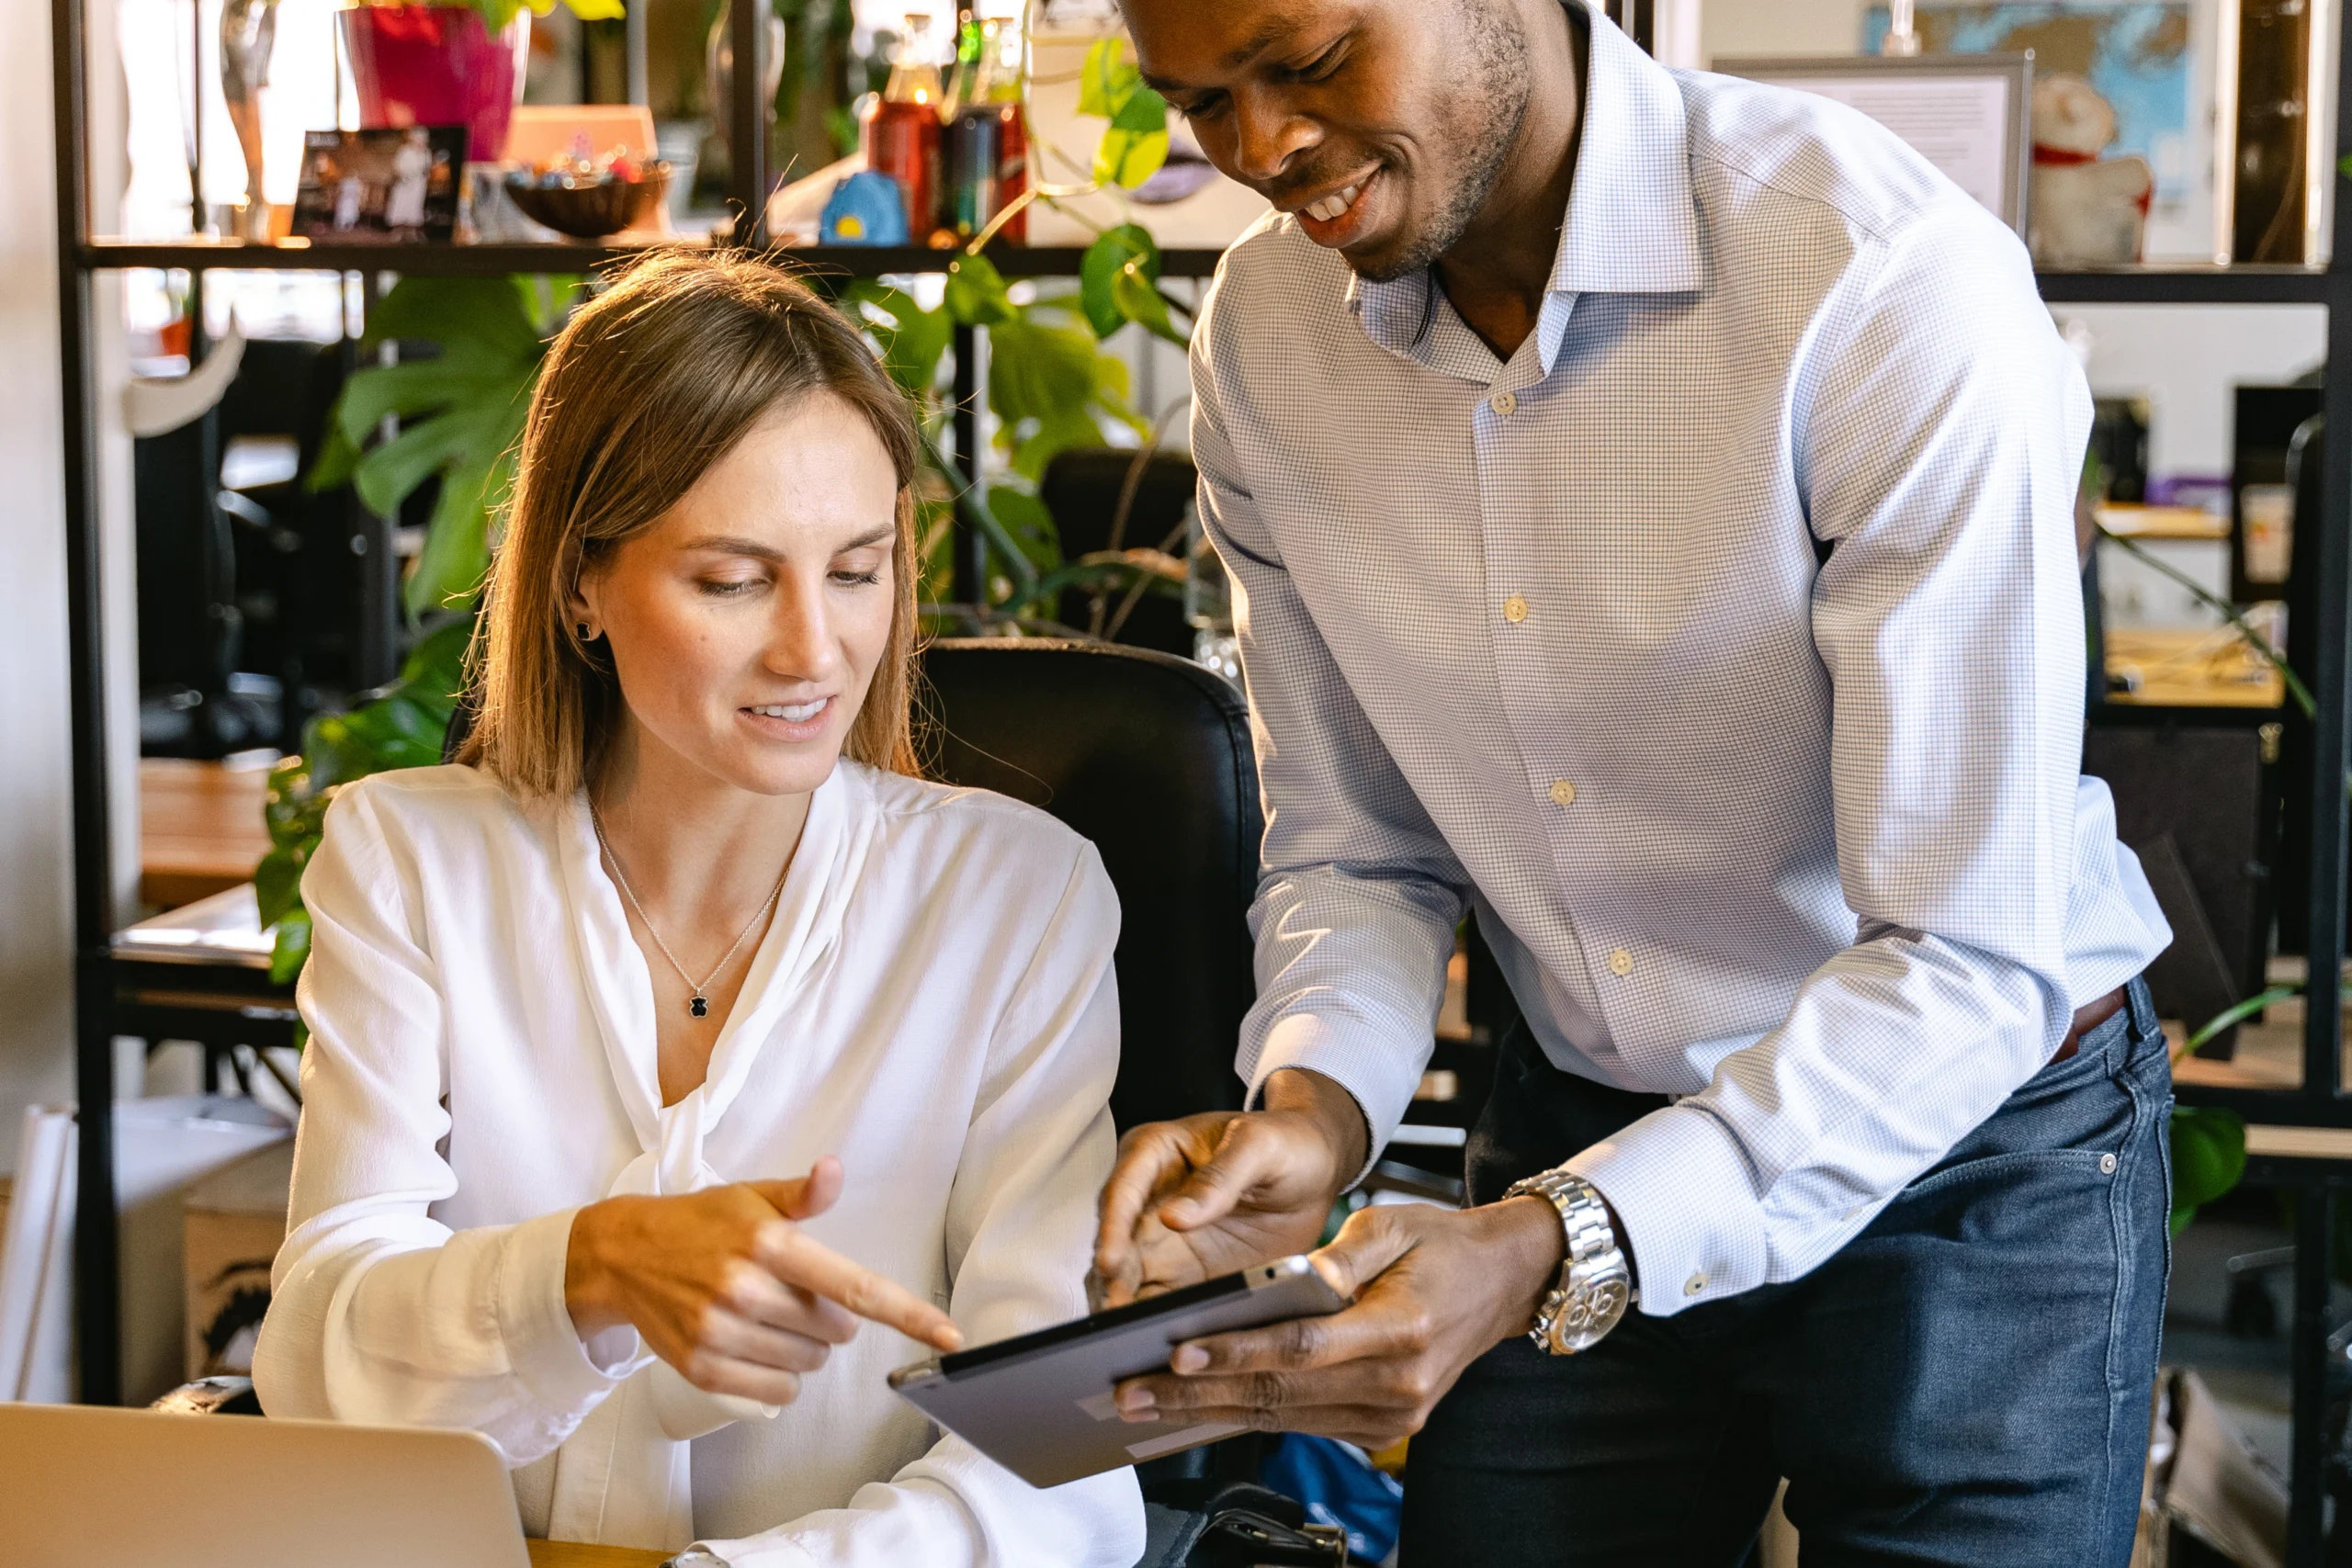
(1966, 1383)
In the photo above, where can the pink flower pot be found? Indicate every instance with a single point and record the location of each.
(436, 65)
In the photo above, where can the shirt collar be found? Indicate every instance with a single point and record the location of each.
(1633, 227)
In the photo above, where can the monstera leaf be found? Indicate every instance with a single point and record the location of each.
(453, 410)
(455, 415)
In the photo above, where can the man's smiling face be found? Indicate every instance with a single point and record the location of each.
(1382, 124)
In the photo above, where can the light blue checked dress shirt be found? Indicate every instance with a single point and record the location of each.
(1804, 844)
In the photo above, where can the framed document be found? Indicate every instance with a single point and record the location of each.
(1970, 115)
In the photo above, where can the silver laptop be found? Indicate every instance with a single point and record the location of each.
(83, 1487)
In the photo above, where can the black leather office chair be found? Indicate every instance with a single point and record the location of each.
(1147, 755)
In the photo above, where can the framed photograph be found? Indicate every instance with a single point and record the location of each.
(1970, 115)
(380, 186)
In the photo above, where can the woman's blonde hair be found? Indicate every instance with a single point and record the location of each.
(648, 384)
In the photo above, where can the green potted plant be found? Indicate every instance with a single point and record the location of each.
(454, 418)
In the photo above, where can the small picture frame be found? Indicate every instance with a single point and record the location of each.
(1970, 115)
(382, 186)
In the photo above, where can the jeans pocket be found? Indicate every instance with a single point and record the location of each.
(2010, 1165)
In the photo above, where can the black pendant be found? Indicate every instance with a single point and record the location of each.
(702, 1008)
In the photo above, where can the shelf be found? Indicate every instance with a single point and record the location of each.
(2188, 285)
(2272, 1107)
(494, 260)
(2144, 286)
(2113, 715)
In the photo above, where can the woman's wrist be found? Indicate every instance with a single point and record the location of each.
(587, 1295)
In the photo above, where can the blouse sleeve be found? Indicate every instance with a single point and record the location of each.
(378, 1312)
(1020, 1235)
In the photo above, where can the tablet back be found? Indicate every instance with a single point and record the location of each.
(1042, 1404)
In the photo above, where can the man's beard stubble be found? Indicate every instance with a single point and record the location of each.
(1485, 111)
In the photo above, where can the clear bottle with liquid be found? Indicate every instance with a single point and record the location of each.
(1006, 90)
(987, 139)
(902, 137)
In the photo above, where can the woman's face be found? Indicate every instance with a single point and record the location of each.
(745, 623)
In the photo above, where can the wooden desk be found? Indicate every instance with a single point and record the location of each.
(201, 973)
(2134, 522)
(2213, 669)
(201, 830)
(567, 1554)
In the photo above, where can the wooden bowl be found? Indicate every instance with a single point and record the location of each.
(591, 211)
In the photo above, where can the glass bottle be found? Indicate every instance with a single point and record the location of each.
(902, 137)
(987, 141)
(1012, 135)
(972, 132)
(966, 87)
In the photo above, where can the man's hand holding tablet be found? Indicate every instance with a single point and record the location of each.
(1434, 1289)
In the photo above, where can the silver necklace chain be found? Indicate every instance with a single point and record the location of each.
(700, 1005)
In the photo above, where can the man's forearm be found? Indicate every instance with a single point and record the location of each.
(1303, 1092)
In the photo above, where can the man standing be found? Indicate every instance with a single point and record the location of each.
(1649, 504)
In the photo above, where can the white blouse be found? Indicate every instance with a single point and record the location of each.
(933, 1003)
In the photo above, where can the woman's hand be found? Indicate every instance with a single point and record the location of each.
(725, 1286)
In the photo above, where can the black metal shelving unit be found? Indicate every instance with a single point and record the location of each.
(2319, 1102)
(501, 260)
(2191, 285)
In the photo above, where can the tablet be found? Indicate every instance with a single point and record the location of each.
(1042, 1404)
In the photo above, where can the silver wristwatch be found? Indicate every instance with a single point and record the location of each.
(1595, 1286)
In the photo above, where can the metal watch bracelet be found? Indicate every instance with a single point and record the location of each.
(1595, 1285)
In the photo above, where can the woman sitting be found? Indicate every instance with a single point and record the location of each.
(682, 1025)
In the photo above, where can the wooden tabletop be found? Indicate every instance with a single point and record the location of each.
(199, 826)
(570, 1554)
(2188, 668)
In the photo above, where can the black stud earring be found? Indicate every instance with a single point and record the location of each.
(583, 631)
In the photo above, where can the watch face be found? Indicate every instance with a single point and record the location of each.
(1589, 1309)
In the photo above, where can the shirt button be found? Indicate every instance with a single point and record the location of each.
(1620, 963)
(1514, 609)
(1694, 1285)
(1563, 793)
(1504, 403)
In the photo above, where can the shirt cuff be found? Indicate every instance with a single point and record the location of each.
(1682, 1190)
(771, 1550)
(535, 1323)
(1365, 1068)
